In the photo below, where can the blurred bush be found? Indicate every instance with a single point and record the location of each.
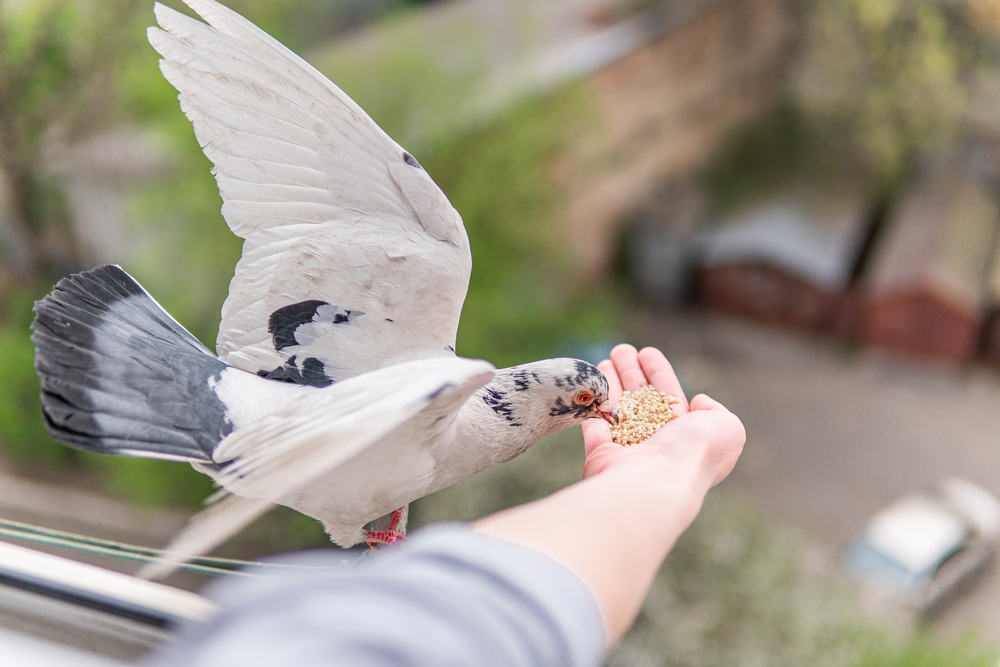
(890, 77)
(873, 86)
(22, 433)
(58, 61)
(523, 302)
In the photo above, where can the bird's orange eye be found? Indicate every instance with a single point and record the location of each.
(583, 398)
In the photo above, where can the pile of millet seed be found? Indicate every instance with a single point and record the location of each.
(641, 413)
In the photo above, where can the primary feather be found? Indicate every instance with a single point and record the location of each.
(332, 209)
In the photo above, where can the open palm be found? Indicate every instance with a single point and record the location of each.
(703, 427)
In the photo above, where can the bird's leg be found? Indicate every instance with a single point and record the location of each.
(389, 529)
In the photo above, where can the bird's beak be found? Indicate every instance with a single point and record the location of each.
(607, 413)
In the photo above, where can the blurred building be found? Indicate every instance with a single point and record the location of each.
(925, 291)
(664, 107)
(788, 261)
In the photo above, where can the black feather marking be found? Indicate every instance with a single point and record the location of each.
(410, 160)
(524, 378)
(284, 321)
(279, 374)
(118, 373)
(312, 372)
(583, 377)
(283, 325)
(562, 407)
(497, 401)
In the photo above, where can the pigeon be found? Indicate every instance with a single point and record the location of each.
(335, 389)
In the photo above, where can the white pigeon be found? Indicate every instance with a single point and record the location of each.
(336, 390)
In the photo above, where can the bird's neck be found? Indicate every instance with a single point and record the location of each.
(505, 416)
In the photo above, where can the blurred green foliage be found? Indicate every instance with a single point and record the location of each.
(22, 432)
(413, 87)
(874, 86)
(58, 59)
(769, 153)
(925, 650)
(890, 75)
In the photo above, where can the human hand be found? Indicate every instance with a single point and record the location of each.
(614, 528)
(705, 434)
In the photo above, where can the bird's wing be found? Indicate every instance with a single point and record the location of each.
(353, 257)
(280, 454)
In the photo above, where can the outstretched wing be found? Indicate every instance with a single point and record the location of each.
(277, 456)
(353, 257)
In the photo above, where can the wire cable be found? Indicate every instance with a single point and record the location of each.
(226, 567)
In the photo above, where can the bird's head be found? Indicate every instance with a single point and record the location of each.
(550, 394)
(582, 392)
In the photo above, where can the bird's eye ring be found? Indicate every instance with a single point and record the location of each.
(583, 398)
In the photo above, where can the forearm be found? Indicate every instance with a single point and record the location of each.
(613, 530)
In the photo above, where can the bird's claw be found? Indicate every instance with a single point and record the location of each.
(373, 538)
(394, 534)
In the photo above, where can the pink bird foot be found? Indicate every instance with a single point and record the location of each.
(395, 532)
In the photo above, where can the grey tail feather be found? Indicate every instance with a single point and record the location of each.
(120, 376)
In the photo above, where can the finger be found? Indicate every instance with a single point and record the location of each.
(596, 433)
(614, 382)
(626, 360)
(703, 402)
(661, 375)
(731, 434)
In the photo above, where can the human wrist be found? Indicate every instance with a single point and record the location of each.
(674, 486)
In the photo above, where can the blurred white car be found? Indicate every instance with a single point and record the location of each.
(926, 548)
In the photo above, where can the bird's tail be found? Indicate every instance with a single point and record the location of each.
(121, 376)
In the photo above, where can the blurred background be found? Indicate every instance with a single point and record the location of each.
(796, 200)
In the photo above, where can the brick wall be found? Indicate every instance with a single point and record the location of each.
(664, 108)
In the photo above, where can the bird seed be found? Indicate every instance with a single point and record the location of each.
(641, 413)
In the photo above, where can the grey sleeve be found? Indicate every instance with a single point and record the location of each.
(449, 597)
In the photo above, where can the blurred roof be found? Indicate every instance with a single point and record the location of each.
(817, 239)
(938, 238)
